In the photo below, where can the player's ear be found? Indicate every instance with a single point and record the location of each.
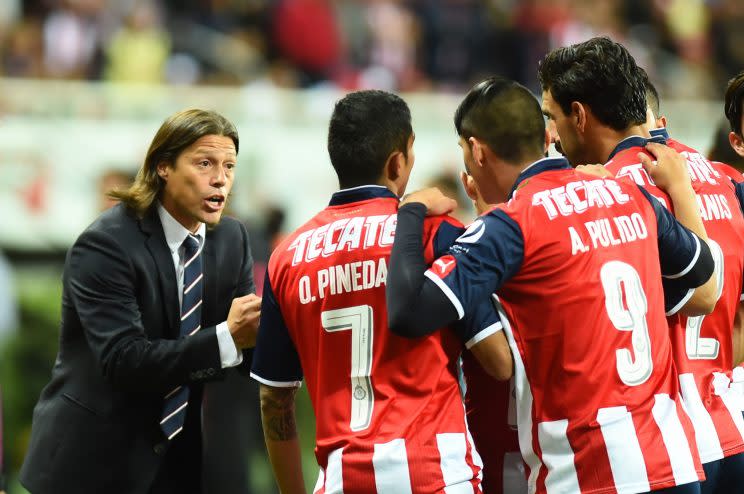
(578, 113)
(395, 166)
(661, 121)
(476, 147)
(469, 185)
(737, 143)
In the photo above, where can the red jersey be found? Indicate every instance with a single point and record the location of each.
(702, 345)
(728, 170)
(576, 265)
(491, 413)
(389, 414)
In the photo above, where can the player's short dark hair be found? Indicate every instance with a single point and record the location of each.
(652, 95)
(601, 74)
(365, 128)
(506, 116)
(734, 104)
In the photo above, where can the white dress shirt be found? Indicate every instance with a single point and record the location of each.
(175, 234)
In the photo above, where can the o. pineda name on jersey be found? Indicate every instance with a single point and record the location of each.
(577, 197)
(712, 206)
(343, 235)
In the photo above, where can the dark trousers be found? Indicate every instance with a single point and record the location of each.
(724, 476)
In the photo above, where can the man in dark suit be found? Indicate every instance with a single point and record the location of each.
(157, 308)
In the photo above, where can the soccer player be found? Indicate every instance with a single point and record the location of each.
(577, 263)
(595, 93)
(389, 416)
(491, 407)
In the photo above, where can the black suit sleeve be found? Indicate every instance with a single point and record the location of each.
(103, 284)
(246, 285)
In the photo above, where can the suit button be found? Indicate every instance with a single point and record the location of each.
(210, 372)
(159, 448)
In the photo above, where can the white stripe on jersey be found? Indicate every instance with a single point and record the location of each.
(334, 478)
(523, 395)
(455, 469)
(675, 439)
(731, 399)
(624, 451)
(558, 457)
(319, 483)
(390, 461)
(706, 435)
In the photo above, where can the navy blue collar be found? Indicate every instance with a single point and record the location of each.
(539, 166)
(661, 131)
(636, 141)
(361, 193)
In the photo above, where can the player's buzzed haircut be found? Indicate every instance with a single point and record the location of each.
(506, 116)
(734, 102)
(652, 95)
(365, 128)
(601, 74)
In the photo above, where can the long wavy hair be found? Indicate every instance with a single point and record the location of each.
(178, 132)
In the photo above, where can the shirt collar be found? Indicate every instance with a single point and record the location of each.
(661, 131)
(539, 166)
(361, 193)
(637, 141)
(175, 232)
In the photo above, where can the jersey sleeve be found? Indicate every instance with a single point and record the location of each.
(482, 259)
(447, 232)
(275, 359)
(686, 261)
(478, 324)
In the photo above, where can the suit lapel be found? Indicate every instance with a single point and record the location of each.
(211, 280)
(166, 270)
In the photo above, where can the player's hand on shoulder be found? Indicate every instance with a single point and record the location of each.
(435, 201)
(596, 170)
(243, 319)
(670, 169)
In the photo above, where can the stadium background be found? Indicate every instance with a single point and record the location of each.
(84, 84)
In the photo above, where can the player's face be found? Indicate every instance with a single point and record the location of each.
(198, 183)
(563, 134)
(736, 140)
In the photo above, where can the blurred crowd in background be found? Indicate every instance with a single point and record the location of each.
(690, 47)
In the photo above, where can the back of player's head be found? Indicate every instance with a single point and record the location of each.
(365, 128)
(652, 95)
(734, 104)
(601, 74)
(506, 116)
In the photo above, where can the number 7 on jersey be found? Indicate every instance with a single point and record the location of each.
(358, 320)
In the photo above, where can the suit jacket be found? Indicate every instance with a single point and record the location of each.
(96, 425)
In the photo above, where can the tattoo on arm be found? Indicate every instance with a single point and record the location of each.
(278, 413)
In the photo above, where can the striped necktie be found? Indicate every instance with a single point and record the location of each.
(177, 400)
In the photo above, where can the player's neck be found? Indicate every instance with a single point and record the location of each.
(607, 140)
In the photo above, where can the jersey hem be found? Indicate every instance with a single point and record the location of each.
(484, 333)
(276, 384)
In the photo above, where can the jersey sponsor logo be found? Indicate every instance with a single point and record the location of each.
(444, 266)
(473, 233)
(346, 234)
(578, 196)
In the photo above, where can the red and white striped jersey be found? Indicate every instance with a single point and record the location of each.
(389, 414)
(575, 263)
(702, 345)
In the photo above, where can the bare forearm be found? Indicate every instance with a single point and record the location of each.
(738, 336)
(280, 434)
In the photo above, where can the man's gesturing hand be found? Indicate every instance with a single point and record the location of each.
(242, 321)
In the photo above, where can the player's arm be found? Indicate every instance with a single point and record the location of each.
(276, 365)
(738, 335)
(280, 434)
(420, 301)
(482, 333)
(670, 174)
